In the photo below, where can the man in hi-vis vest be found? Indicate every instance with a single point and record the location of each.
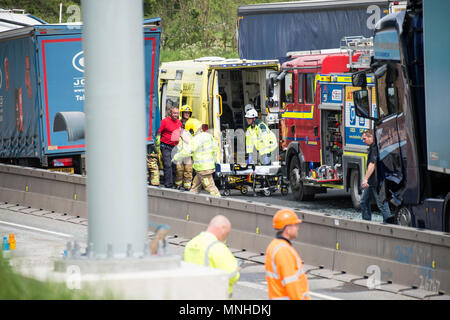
(285, 277)
(203, 148)
(259, 136)
(208, 249)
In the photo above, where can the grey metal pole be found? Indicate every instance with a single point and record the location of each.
(115, 127)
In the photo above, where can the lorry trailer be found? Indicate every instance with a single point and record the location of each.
(42, 92)
(270, 30)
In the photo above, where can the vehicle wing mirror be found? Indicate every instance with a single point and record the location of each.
(281, 76)
(361, 100)
(359, 79)
(381, 71)
(269, 87)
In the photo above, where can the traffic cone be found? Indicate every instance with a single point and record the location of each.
(5, 244)
(12, 242)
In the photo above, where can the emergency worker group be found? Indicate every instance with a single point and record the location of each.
(188, 154)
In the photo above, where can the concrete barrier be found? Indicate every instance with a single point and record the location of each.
(380, 252)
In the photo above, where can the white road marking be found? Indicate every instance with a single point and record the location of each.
(36, 229)
(323, 296)
(264, 288)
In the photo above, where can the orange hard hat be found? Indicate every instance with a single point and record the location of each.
(284, 217)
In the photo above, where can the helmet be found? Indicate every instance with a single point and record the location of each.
(186, 108)
(251, 114)
(249, 107)
(193, 125)
(285, 217)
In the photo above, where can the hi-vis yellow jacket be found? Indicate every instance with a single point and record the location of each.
(185, 139)
(203, 148)
(284, 272)
(260, 137)
(206, 250)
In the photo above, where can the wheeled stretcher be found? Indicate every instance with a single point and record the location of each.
(261, 179)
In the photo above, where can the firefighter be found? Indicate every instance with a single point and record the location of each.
(208, 249)
(203, 148)
(284, 269)
(183, 178)
(259, 136)
(152, 163)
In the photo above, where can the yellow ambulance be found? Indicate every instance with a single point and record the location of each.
(217, 89)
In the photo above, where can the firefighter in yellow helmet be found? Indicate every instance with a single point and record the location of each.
(208, 249)
(258, 136)
(183, 177)
(284, 269)
(152, 163)
(203, 148)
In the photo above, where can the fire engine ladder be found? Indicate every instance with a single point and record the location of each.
(358, 44)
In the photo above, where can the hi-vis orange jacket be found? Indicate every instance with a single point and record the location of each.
(284, 272)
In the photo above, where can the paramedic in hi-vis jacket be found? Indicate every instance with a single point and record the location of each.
(259, 136)
(203, 148)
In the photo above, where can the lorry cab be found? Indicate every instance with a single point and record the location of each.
(217, 89)
(410, 74)
(320, 134)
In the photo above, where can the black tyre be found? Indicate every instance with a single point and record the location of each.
(267, 192)
(355, 189)
(403, 217)
(300, 192)
(226, 192)
(244, 189)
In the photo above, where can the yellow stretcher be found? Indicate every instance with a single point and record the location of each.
(265, 179)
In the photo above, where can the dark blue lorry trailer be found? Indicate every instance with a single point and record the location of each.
(42, 82)
(411, 68)
(271, 30)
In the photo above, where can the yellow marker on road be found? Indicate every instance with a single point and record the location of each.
(12, 242)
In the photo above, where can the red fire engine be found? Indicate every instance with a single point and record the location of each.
(320, 135)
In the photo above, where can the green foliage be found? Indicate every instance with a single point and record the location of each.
(17, 287)
(195, 28)
(47, 10)
(193, 52)
(190, 28)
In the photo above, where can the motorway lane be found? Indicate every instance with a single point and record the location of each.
(252, 286)
(334, 202)
(41, 240)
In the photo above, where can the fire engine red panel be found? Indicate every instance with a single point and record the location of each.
(337, 63)
(299, 120)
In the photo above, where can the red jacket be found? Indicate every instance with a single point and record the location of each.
(170, 131)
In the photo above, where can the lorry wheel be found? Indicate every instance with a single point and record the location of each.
(226, 192)
(355, 189)
(300, 192)
(403, 217)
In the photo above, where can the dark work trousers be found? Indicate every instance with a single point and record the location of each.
(169, 167)
(365, 204)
